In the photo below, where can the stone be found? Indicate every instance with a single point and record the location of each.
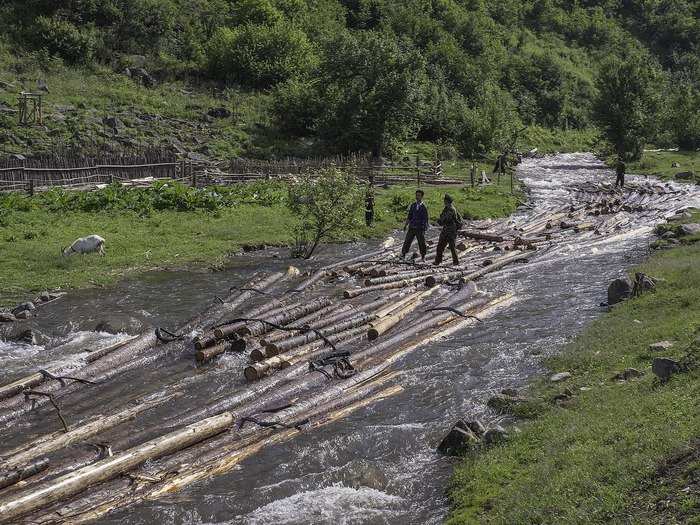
(627, 374)
(219, 113)
(660, 346)
(685, 175)
(24, 307)
(44, 297)
(113, 123)
(27, 337)
(619, 290)
(560, 376)
(7, 317)
(669, 235)
(510, 392)
(136, 61)
(676, 165)
(293, 271)
(495, 435)
(143, 76)
(504, 403)
(477, 427)
(459, 439)
(689, 229)
(664, 368)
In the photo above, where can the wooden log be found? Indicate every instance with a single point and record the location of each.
(59, 440)
(273, 349)
(432, 280)
(291, 314)
(387, 322)
(324, 317)
(483, 236)
(349, 294)
(207, 354)
(75, 482)
(19, 474)
(231, 329)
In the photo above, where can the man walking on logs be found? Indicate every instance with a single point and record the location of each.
(417, 223)
(451, 222)
(620, 170)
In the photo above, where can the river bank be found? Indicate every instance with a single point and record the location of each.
(603, 450)
(32, 235)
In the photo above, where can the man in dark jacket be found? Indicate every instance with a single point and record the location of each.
(451, 222)
(620, 170)
(417, 223)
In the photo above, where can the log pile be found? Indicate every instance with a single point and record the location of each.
(293, 353)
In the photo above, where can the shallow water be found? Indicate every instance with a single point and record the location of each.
(377, 465)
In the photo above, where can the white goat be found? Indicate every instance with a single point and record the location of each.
(89, 244)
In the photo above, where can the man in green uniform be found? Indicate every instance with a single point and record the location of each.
(451, 222)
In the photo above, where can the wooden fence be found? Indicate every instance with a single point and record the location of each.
(83, 173)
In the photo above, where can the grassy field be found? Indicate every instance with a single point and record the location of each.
(608, 453)
(660, 163)
(31, 240)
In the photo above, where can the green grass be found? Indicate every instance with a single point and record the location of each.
(30, 241)
(660, 164)
(548, 140)
(584, 461)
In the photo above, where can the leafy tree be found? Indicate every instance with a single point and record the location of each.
(63, 39)
(326, 203)
(627, 106)
(260, 56)
(371, 87)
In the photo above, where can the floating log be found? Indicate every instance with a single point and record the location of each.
(207, 354)
(337, 312)
(432, 280)
(349, 294)
(273, 349)
(10, 478)
(290, 314)
(75, 482)
(387, 322)
(483, 236)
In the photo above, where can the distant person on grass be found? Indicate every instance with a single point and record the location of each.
(416, 223)
(451, 222)
(620, 170)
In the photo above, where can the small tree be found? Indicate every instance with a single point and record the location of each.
(326, 203)
(628, 103)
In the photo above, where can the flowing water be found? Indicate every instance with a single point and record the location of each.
(379, 464)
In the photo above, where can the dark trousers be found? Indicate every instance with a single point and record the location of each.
(369, 217)
(620, 181)
(446, 239)
(414, 233)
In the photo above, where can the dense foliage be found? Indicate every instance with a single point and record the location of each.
(143, 201)
(368, 74)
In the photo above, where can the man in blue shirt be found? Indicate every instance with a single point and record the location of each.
(417, 223)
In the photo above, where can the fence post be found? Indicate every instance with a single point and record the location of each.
(30, 189)
(418, 176)
(472, 174)
(194, 175)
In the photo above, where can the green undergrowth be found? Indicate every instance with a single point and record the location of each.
(178, 227)
(585, 459)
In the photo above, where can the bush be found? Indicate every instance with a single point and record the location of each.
(260, 56)
(61, 38)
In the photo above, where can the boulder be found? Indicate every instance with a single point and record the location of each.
(660, 346)
(669, 235)
(495, 435)
(143, 76)
(27, 337)
(459, 439)
(689, 229)
(293, 271)
(560, 376)
(113, 123)
(7, 317)
(24, 307)
(664, 368)
(219, 113)
(619, 290)
(24, 314)
(504, 403)
(477, 427)
(685, 175)
(628, 373)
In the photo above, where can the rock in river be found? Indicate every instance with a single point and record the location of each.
(460, 439)
(619, 290)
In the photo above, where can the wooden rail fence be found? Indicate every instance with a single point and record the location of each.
(81, 173)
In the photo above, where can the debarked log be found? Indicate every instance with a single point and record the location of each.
(22, 473)
(75, 482)
(432, 280)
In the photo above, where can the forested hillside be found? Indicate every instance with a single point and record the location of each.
(369, 75)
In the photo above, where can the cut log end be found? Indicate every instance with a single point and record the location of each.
(372, 334)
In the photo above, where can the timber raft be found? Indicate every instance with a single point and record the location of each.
(318, 348)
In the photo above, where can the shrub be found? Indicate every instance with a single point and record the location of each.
(260, 56)
(63, 39)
